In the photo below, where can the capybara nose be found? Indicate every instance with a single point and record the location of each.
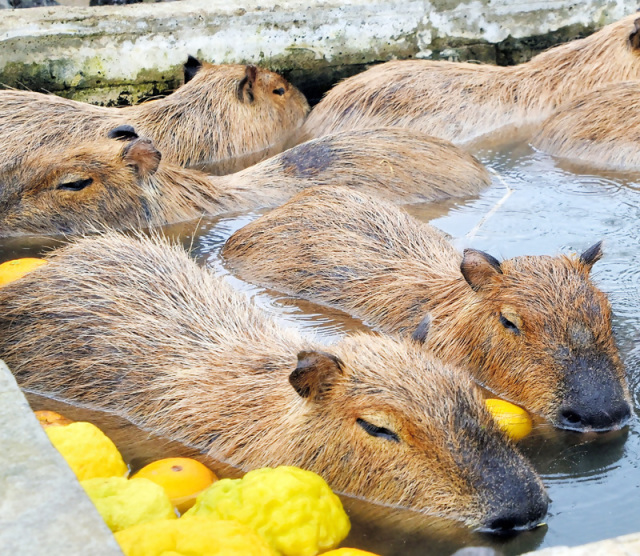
(510, 519)
(583, 418)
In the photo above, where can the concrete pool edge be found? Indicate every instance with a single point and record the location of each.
(121, 54)
(44, 509)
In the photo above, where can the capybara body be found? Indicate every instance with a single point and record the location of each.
(137, 328)
(462, 101)
(535, 330)
(124, 184)
(222, 112)
(601, 128)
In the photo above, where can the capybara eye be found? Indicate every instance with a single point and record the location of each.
(75, 185)
(509, 325)
(279, 91)
(380, 432)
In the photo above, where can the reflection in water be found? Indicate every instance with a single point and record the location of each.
(593, 481)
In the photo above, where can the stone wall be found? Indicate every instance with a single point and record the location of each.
(122, 54)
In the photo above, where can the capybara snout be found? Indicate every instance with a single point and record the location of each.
(535, 330)
(178, 352)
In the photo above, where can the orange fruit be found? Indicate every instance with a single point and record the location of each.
(512, 419)
(17, 268)
(51, 418)
(182, 478)
(348, 552)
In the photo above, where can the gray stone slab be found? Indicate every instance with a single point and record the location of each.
(120, 53)
(43, 508)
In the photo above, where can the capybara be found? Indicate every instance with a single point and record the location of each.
(136, 328)
(462, 101)
(221, 112)
(601, 128)
(535, 330)
(124, 184)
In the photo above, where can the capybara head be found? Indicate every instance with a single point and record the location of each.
(535, 330)
(174, 349)
(409, 431)
(94, 187)
(543, 328)
(253, 108)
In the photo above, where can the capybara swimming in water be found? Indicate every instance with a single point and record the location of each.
(221, 112)
(462, 101)
(601, 128)
(535, 330)
(124, 184)
(138, 329)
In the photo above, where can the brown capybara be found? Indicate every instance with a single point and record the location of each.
(136, 328)
(462, 101)
(124, 184)
(221, 112)
(601, 128)
(535, 330)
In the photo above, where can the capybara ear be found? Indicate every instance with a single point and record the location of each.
(190, 68)
(315, 372)
(634, 37)
(142, 154)
(478, 268)
(245, 87)
(123, 133)
(422, 331)
(592, 255)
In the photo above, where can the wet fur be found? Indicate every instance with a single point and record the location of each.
(136, 328)
(374, 261)
(600, 129)
(133, 188)
(203, 121)
(462, 101)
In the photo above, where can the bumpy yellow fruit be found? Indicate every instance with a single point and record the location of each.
(124, 503)
(349, 552)
(87, 450)
(192, 536)
(182, 478)
(512, 419)
(17, 268)
(294, 510)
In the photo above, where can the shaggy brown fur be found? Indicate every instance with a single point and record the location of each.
(110, 184)
(461, 101)
(601, 128)
(138, 329)
(532, 329)
(223, 112)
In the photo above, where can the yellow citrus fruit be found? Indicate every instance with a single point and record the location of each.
(182, 478)
(348, 552)
(17, 268)
(51, 418)
(193, 536)
(512, 419)
(87, 450)
(124, 503)
(293, 509)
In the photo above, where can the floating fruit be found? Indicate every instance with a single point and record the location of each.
(17, 268)
(51, 418)
(512, 419)
(87, 450)
(293, 509)
(124, 503)
(182, 478)
(192, 536)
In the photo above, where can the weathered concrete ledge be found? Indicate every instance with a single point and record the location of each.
(119, 54)
(626, 545)
(43, 508)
